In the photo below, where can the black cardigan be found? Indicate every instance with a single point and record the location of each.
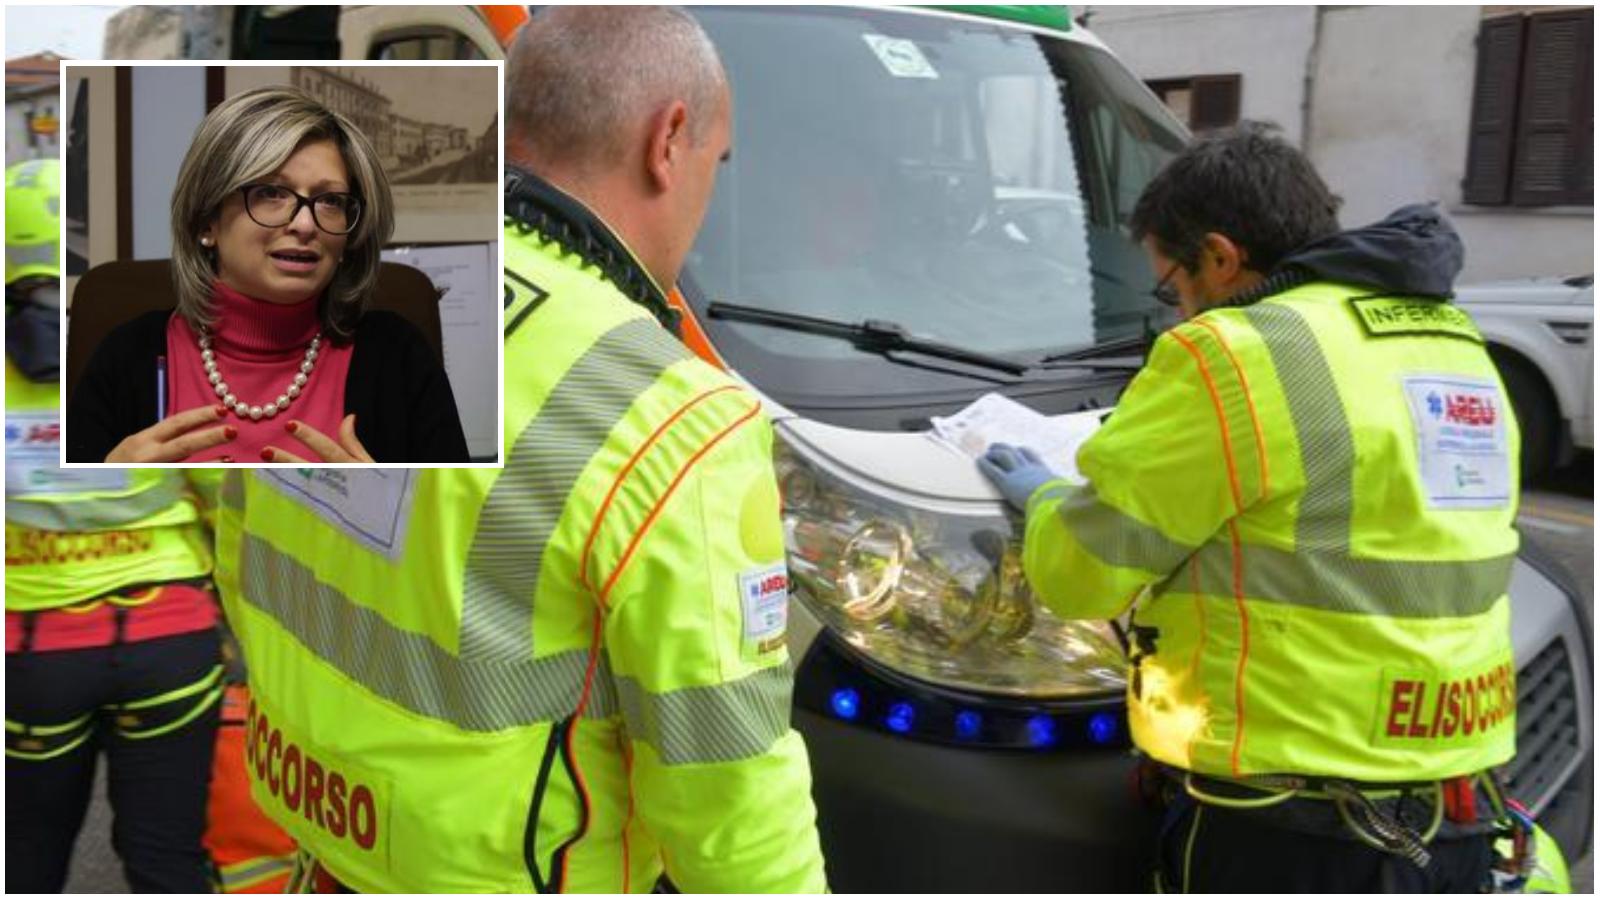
(405, 412)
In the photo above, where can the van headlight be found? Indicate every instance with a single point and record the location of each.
(934, 596)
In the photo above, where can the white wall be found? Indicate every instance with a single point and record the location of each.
(1390, 114)
(1266, 45)
(21, 143)
(168, 104)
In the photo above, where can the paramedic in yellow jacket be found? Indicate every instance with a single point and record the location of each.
(1307, 498)
(567, 674)
(111, 627)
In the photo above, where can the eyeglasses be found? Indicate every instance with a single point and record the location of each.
(1164, 292)
(274, 206)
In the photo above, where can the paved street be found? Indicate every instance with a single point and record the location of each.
(1557, 512)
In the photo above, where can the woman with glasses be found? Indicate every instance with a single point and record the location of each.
(279, 214)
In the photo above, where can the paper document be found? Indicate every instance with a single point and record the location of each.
(996, 418)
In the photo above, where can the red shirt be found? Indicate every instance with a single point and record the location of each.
(259, 347)
(156, 612)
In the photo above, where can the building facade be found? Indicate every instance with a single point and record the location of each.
(1486, 110)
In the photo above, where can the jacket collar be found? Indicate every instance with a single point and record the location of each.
(537, 205)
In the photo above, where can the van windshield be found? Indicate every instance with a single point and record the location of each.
(971, 181)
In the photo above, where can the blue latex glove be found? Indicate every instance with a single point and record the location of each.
(1016, 471)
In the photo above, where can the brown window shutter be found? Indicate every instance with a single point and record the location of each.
(1555, 118)
(1494, 112)
(1215, 102)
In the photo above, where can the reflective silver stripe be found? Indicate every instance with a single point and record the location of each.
(230, 494)
(711, 724)
(18, 255)
(1117, 538)
(255, 871)
(526, 501)
(93, 514)
(1327, 450)
(1336, 582)
(408, 668)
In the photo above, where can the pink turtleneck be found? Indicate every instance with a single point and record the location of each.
(259, 347)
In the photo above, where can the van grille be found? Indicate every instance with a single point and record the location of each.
(1548, 738)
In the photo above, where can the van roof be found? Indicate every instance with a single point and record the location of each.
(1056, 18)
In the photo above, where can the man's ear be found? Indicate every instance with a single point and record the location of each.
(1224, 259)
(667, 140)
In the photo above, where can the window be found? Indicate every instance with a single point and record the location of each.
(427, 44)
(1532, 134)
(1202, 102)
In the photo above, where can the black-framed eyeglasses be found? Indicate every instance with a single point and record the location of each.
(1165, 293)
(274, 206)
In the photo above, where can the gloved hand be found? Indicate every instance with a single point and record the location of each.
(1016, 471)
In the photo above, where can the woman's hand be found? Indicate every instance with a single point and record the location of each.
(346, 449)
(174, 438)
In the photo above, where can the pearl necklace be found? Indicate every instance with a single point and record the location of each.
(243, 409)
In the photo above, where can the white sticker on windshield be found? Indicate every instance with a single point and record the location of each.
(373, 506)
(901, 57)
(1462, 447)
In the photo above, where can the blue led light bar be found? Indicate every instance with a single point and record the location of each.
(968, 724)
(1102, 728)
(900, 718)
(846, 703)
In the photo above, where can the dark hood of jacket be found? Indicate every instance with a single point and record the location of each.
(1415, 251)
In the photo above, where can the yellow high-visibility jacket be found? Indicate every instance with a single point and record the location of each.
(1311, 501)
(567, 673)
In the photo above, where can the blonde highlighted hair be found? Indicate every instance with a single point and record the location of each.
(249, 137)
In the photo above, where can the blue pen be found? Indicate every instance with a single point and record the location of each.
(161, 388)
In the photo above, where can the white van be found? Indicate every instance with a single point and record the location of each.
(924, 206)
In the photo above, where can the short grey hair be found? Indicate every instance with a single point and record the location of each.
(578, 79)
(248, 137)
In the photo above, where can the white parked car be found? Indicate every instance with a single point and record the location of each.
(1541, 335)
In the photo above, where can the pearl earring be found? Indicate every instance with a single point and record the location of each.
(205, 242)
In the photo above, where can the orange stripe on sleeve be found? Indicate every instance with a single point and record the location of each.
(627, 555)
(622, 475)
(1249, 400)
(1222, 418)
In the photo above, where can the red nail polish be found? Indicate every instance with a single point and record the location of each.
(230, 432)
(290, 427)
(227, 459)
(221, 410)
(266, 455)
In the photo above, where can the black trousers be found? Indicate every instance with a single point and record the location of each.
(1213, 849)
(158, 785)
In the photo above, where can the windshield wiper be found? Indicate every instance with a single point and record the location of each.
(871, 335)
(1118, 346)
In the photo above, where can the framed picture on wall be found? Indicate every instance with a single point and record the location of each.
(435, 127)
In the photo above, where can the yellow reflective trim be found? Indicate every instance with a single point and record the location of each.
(1387, 317)
(205, 703)
(47, 730)
(206, 681)
(50, 754)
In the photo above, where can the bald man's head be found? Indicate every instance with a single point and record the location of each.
(582, 80)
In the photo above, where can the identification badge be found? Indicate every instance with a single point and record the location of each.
(372, 506)
(1388, 317)
(33, 459)
(1462, 444)
(764, 599)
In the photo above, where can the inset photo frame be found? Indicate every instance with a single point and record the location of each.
(325, 210)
